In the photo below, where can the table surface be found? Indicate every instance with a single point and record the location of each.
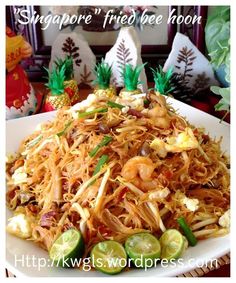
(223, 271)
(41, 91)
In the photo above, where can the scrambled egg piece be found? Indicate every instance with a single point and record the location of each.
(183, 141)
(87, 104)
(134, 101)
(191, 203)
(19, 225)
(160, 147)
(19, 176)
(224, 220)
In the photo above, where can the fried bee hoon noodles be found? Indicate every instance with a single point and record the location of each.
(114, 171)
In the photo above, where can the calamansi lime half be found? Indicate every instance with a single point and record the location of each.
(172, 244)
(143, 249)
(67, 248)
(109, 257)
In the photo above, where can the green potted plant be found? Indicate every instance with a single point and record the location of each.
(217, 37)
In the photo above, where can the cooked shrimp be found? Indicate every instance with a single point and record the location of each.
(145, 185)
(138, 165)
(162, 122)
(158, 98)
(157, 111)
(159, 116)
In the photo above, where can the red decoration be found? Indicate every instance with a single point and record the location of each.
(20, 97)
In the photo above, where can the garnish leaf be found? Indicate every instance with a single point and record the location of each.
(224, 103)
(105, 141)
(89, 113)
(115, 105)
(63, 131)
(103, 160)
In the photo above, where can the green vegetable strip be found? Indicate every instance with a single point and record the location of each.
(114, 105)
(187, 231)
(105, 141)
(103, 160)
(63, 131)
(98, 110)
(34, 141)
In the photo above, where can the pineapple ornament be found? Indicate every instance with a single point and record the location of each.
(131, 80)
(57, 97)
(103, 76)
(163, 81)
(71, 86)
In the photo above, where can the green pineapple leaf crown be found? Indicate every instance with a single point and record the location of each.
(163, 80)
(131, 76)
(68, 63)
(56, 80)
(103, 75)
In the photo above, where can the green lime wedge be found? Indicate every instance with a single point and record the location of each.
(109, 257)
(172, 244)
(143, 249)
(67, 248)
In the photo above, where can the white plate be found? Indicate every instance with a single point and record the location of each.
(17, 250)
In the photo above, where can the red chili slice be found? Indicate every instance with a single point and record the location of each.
(121, 195)
(168, 174)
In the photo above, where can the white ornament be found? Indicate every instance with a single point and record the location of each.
(74, 44)
(187, 60)
(126, 50)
